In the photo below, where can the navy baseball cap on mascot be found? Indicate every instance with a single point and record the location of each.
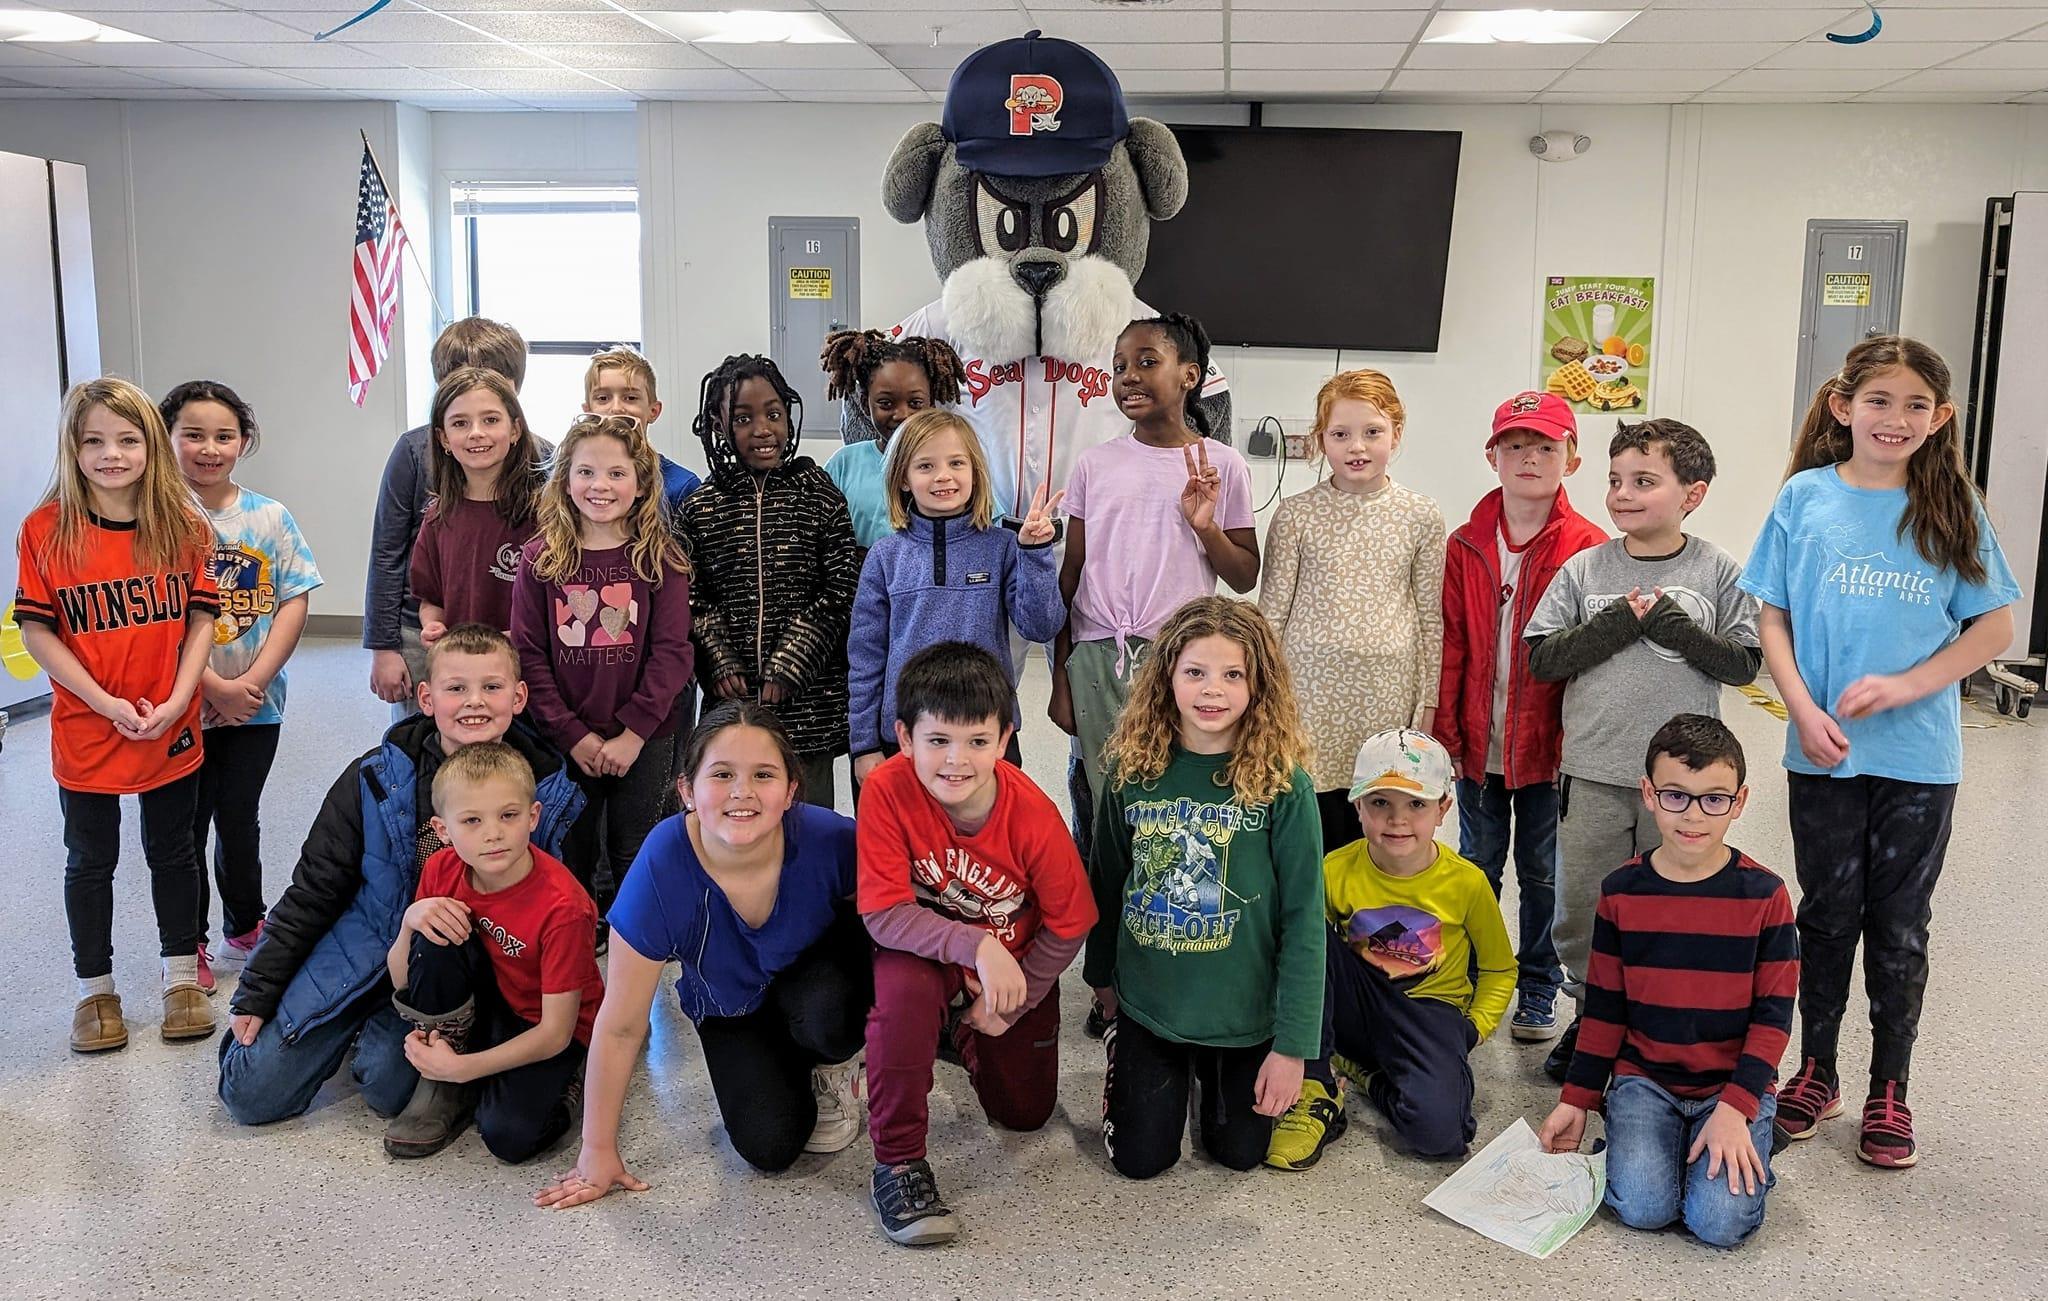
(1036, 106)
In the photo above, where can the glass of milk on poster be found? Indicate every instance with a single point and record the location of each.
(1603, 324)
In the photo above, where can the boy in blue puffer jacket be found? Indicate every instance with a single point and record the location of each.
(317, 982)
(947, 573)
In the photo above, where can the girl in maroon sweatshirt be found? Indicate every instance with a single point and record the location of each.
(601, 617)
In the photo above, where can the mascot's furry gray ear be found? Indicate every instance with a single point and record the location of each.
(1037, 193)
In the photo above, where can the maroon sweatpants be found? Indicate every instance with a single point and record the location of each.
(1015, 1074)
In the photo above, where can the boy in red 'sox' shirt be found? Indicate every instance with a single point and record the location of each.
(493, 966)
(977, 901)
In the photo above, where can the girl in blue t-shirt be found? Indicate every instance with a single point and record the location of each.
(892, 380)
(1875, 554)
(752, 892)
(265, 573)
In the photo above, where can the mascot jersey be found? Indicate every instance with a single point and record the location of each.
(1035, 415)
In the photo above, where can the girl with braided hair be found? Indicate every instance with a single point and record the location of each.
(892, 380)
(773, 565)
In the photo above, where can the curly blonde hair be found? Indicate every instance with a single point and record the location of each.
(1270, 743)
(652, 550)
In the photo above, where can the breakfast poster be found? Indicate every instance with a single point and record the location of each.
(1596, 341)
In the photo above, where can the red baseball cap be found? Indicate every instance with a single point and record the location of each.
(1539, 413)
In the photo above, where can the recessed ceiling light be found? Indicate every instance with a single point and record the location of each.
(45, 26)
(1530, 26)
(750, 27)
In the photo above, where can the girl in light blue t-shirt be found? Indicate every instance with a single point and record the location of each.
(892, 380)
(1874, 556)
(265, 573)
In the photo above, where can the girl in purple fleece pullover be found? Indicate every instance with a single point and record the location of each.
(946, 574)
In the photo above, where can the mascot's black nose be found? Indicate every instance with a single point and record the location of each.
(1038, 277)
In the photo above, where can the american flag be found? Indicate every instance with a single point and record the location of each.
(373, 298)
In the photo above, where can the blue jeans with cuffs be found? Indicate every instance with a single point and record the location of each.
(1649, 1182)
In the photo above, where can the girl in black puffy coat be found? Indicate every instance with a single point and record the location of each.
(772, 547)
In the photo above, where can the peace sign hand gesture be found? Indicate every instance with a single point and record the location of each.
(1038, 527)
(1205, 485)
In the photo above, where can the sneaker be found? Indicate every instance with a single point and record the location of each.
(1535, 1016)
(204, 975)
(838, 1090)
(1559, 1063)
(1358, 1074)
(1096, 1023)
(1805, 1100)
(604, 939)
(1315, 1121)
(235, 950)
(907, 1201)
(1887, 1140)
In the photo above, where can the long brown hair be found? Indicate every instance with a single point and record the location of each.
(1271, 742)
(1941, 501)
(169, 529)
(520, 474)
(650, 548)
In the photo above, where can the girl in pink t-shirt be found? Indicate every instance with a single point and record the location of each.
(1154, 517)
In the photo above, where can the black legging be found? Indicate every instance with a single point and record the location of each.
(815, 1012)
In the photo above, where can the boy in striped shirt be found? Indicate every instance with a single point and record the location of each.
(1690, 990)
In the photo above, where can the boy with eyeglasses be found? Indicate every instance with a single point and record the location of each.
(1652, 616)
(1689, 998)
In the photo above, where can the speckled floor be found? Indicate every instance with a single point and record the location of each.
(125, 1179)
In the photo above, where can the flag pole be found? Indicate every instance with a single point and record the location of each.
(441, 320)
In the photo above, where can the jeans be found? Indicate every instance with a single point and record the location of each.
(521, 1112)
(1649, 1182)
(1145, 1101)
(1016, 1075)
(274, 1079)
(231, 781)
(92, 837)
(1867, 851)
(815, 1012)
(1484, 811)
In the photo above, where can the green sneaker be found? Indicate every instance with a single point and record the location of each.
(1352, 1071)
(1314, 1122)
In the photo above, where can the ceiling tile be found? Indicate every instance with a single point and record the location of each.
(1875, 54)
(80, 78)
(301, 54)
(1453, 54)
(1148, 82)
(1680, 81)
(1955, 24)
(165, 24)
(910, 27)
(1775, 23)
(784, 55)
(926, 55)
(14, 55)
(1279, 58)
(1139, 57)
(511, 81)
(564, 29)
(719, 96)
(667, 53)
(1998, 82)
(1939, 97)
(1446, 97)
(111, 7)
(659, 79)
(2006, 54)
(1322, 25)
(1672, 96)
(837, 79)
(842, 6)
(450, 54)
(547, 6)
(407, 25)
(1702, 54)
(1043, 7)
(138, 54)
(463, 101)
(560, 103)
(1839, 79)
(231, 79)
(1560, 4)
(376, 79)
(1771, 97)
(858, 97)
(1362, 81)
(929, 78)
(1099, 24)
(1498, 81)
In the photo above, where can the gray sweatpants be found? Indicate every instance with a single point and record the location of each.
(1599, 827)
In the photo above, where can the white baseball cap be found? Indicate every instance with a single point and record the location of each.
(1405, 760)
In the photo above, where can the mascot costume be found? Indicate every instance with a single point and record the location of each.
(1037, 193)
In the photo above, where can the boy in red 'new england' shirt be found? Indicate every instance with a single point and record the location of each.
(977, 901)
(493, 966)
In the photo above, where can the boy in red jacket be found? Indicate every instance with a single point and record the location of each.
(1503, 728)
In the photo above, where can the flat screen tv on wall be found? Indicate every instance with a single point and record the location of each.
(1310, 237)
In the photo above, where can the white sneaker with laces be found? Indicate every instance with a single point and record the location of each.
(838, 1090)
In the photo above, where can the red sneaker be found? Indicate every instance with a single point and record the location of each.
(205, 976)
(1805, 1101)
(1887, 1140)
